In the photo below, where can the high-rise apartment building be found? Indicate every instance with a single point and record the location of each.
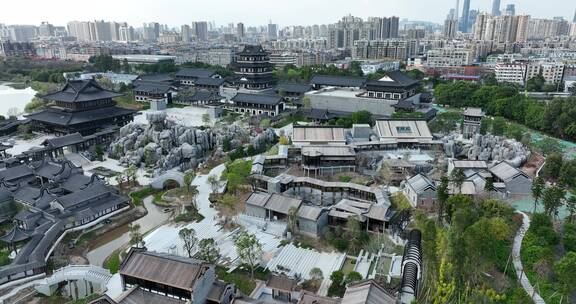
(201, 30)
(126, 32)
(23, 33)
(185, 32)
(45, 29)
(502, 29)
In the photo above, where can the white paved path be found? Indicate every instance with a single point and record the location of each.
(518, 263)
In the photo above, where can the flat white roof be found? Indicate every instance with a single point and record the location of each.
(403, 129)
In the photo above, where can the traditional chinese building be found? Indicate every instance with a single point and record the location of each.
(81, 106)
(252, 68)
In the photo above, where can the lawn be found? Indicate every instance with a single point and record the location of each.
(241, 278)
(112, 262)
(139, 195)
(400, 202)
(4, 259)
(349, 265)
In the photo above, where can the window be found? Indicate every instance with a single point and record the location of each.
(403, 129)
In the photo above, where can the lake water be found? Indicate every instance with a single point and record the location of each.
(14, 98)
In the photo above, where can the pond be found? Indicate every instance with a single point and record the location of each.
(104, 245)
(527, 205)
(14, 98)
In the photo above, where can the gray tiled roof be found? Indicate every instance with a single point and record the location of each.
(63, 118)
(293, 87)
(420, 183)
(192, 72)
(81, 90)
(257, 99)
(209, 81)
(338, 81)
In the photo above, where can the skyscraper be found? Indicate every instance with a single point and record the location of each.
(240, 30)
(464, 25)
(450, 27)
(510, 10)
(496, 8)
(574, 20)
(272, 31)
(457, 10)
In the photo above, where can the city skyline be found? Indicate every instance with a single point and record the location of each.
(221, 12)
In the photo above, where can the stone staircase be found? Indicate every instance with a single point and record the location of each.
(89, 273)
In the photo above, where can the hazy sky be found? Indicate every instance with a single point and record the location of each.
(253, 12)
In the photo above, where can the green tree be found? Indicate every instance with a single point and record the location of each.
(214, 183)
(188, 178)
(553, 166)
(316, 274)
(489, 185)
(352, 277)
(535, 84)
(498, 126)
(458, 177)
(306, 103)
(249, 250)
(490, 80)
(189, 240)
(208, 251)
(572, 90)
(571, 206)
(130, 174)
(126, 66)
(566, 271)
(136, 238)
(537, 189)
(552, 199)
(362, 117)
(337, 288)
(485, 125)
(353, 234)
(567, 175)
(442, 195)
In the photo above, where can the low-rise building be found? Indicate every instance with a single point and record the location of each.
(328, 159)
(311, 219)
(420, 192)
(318, 135)
(43, 215)
(448, 57)
(510, 72)
(516, 181)
(271, 206)
(188, 76)
(404, 133)
(257, 104)
(394, 86)
(149, 277)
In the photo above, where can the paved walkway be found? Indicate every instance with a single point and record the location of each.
(518, 263)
